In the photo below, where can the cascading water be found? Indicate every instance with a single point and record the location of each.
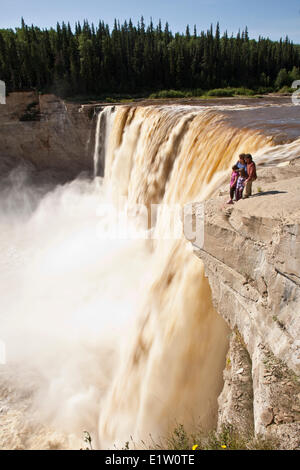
(111, 335)
(104, 122)
(176, 358)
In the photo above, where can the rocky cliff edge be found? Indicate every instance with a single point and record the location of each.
(251, 254)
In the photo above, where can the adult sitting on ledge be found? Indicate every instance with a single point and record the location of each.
(251, 170)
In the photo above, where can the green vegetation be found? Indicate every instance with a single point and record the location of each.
(286, 89)
(222, 92)
(136, 61)
(285, 78)
(231, 92)
(199, 93)
(179, 439)
(172, 94)
(227, 439)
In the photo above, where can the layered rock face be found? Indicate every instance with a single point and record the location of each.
(251, 254)
(47, 132)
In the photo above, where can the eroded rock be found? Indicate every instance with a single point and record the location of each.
(251, 254)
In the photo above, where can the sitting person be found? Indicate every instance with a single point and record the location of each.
(241, 181)
(251, 171)
(233, 181)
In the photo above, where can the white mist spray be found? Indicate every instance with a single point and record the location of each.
(68, 298)
(114, 336)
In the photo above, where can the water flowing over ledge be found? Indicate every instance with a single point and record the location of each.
(121, 336)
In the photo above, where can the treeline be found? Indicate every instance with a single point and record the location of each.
(133, 59)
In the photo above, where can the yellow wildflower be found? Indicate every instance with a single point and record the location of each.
(195, 447)
(224, 447)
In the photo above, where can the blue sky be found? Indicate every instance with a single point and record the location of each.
(272, 18)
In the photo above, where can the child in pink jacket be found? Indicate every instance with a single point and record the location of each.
(233, 182)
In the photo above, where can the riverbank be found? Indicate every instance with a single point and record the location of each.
(177, 97)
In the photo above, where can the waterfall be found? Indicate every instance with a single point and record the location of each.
(172, 367)
(104, 121)
(116, 336)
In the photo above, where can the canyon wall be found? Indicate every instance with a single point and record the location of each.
(47, 132)
(251, 254)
